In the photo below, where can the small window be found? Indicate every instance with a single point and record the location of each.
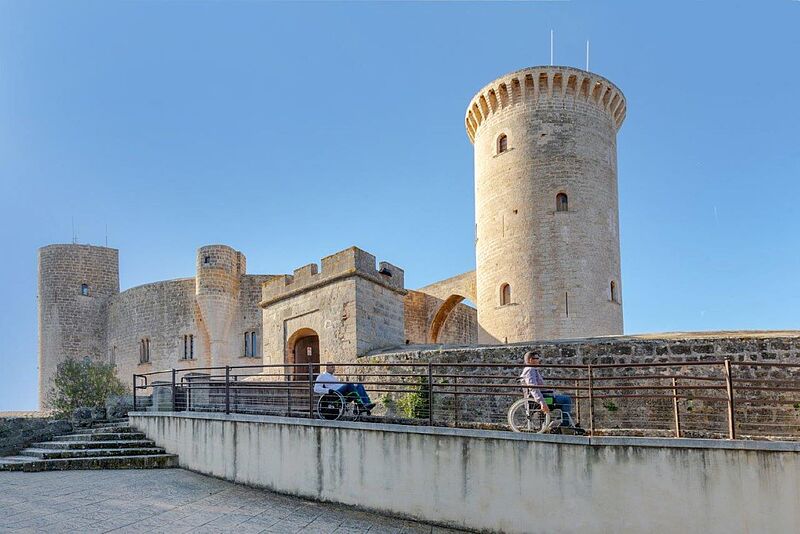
(614, 292)
(251, 344)
(85, 290)
(206, 260)
(502, 143)
(188, 347)
(562, 202)
(144, 350)
(505, 294)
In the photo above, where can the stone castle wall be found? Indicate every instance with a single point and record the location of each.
(164, 312)
(71, 323)
(774, 413)
(422, 310)
(350, 304)
(560, 124)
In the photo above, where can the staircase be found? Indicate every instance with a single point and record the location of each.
(107, 446)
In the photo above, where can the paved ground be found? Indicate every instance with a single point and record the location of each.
(169, 501)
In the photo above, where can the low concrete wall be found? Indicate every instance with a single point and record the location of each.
(498, 481)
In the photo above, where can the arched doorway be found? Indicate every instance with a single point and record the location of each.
(302, 349)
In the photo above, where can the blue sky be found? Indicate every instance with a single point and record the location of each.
(291, 131)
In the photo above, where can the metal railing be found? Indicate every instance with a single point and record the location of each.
(710, 399)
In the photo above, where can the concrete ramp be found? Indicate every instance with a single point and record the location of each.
(498, 481)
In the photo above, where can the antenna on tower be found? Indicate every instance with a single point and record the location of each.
(106, 234)
(587, 54)
(551, 48)
(74, 235)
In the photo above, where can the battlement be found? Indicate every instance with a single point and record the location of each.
(349, 262)
(534, 84)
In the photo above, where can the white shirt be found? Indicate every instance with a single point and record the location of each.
(325, 381)
(532, 377)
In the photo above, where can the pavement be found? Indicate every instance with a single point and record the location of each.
(171, 501)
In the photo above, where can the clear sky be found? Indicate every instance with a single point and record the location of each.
(291, 131)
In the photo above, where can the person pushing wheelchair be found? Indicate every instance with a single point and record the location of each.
(532, 377)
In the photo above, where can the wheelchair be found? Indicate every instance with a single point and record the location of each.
(526, 415)
(333, 406)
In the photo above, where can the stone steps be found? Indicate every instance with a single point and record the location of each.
(51, 454)
(113, 445)
(154, 461)
(102, 436)
(89, 444)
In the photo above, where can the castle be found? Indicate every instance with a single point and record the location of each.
(547, 261)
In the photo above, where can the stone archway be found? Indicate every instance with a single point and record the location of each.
(440, 318)
(302, 349)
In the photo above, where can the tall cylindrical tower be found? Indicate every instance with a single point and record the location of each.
(546, 207)
(75, 285)
(219, 271)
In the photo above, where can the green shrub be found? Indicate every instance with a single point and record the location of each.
(610, 406)
(83, 383)
(416, 405)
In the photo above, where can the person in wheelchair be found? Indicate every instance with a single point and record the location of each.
(328, 381)
(532, 377)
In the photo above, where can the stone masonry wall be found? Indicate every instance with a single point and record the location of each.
(164, 312)
(350, 304)
(72, 324)
(560, 125)
(17, 433)
(460, 326)
(772, 414)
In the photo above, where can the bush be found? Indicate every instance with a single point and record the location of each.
(416, 405)
(83, 383)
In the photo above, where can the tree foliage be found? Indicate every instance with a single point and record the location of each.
(83, 383)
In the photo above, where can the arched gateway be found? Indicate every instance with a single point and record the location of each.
(302, 349)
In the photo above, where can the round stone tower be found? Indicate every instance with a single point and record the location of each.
(75, 285)
(546, 207)
(219, 271)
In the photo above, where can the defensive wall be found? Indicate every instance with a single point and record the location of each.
(165, 312)
(349, 305)
(617, 411)
(498, 481)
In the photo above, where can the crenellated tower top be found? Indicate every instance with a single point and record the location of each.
(534, 84)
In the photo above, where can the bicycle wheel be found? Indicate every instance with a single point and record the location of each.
(330, 406)
(526, 415)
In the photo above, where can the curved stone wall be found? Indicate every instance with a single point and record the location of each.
(165, 312)
(559, 126)
(75, 283)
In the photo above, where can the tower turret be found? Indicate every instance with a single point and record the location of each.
(219, 271)
(546, 205)
(75, 285)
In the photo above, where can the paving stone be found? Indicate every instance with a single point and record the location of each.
(172, 501)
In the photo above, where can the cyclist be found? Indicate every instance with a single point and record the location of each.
(532, 377)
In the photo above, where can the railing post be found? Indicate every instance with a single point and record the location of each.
(731, 406)
(227, 389)
(675, 407)
(134, 392)
(310, 390)
(430, 393)
(577, 402)
(591, 403)
(173, 390)
(455, 403)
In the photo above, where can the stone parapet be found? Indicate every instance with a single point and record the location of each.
(536, 84)
(344, 264)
